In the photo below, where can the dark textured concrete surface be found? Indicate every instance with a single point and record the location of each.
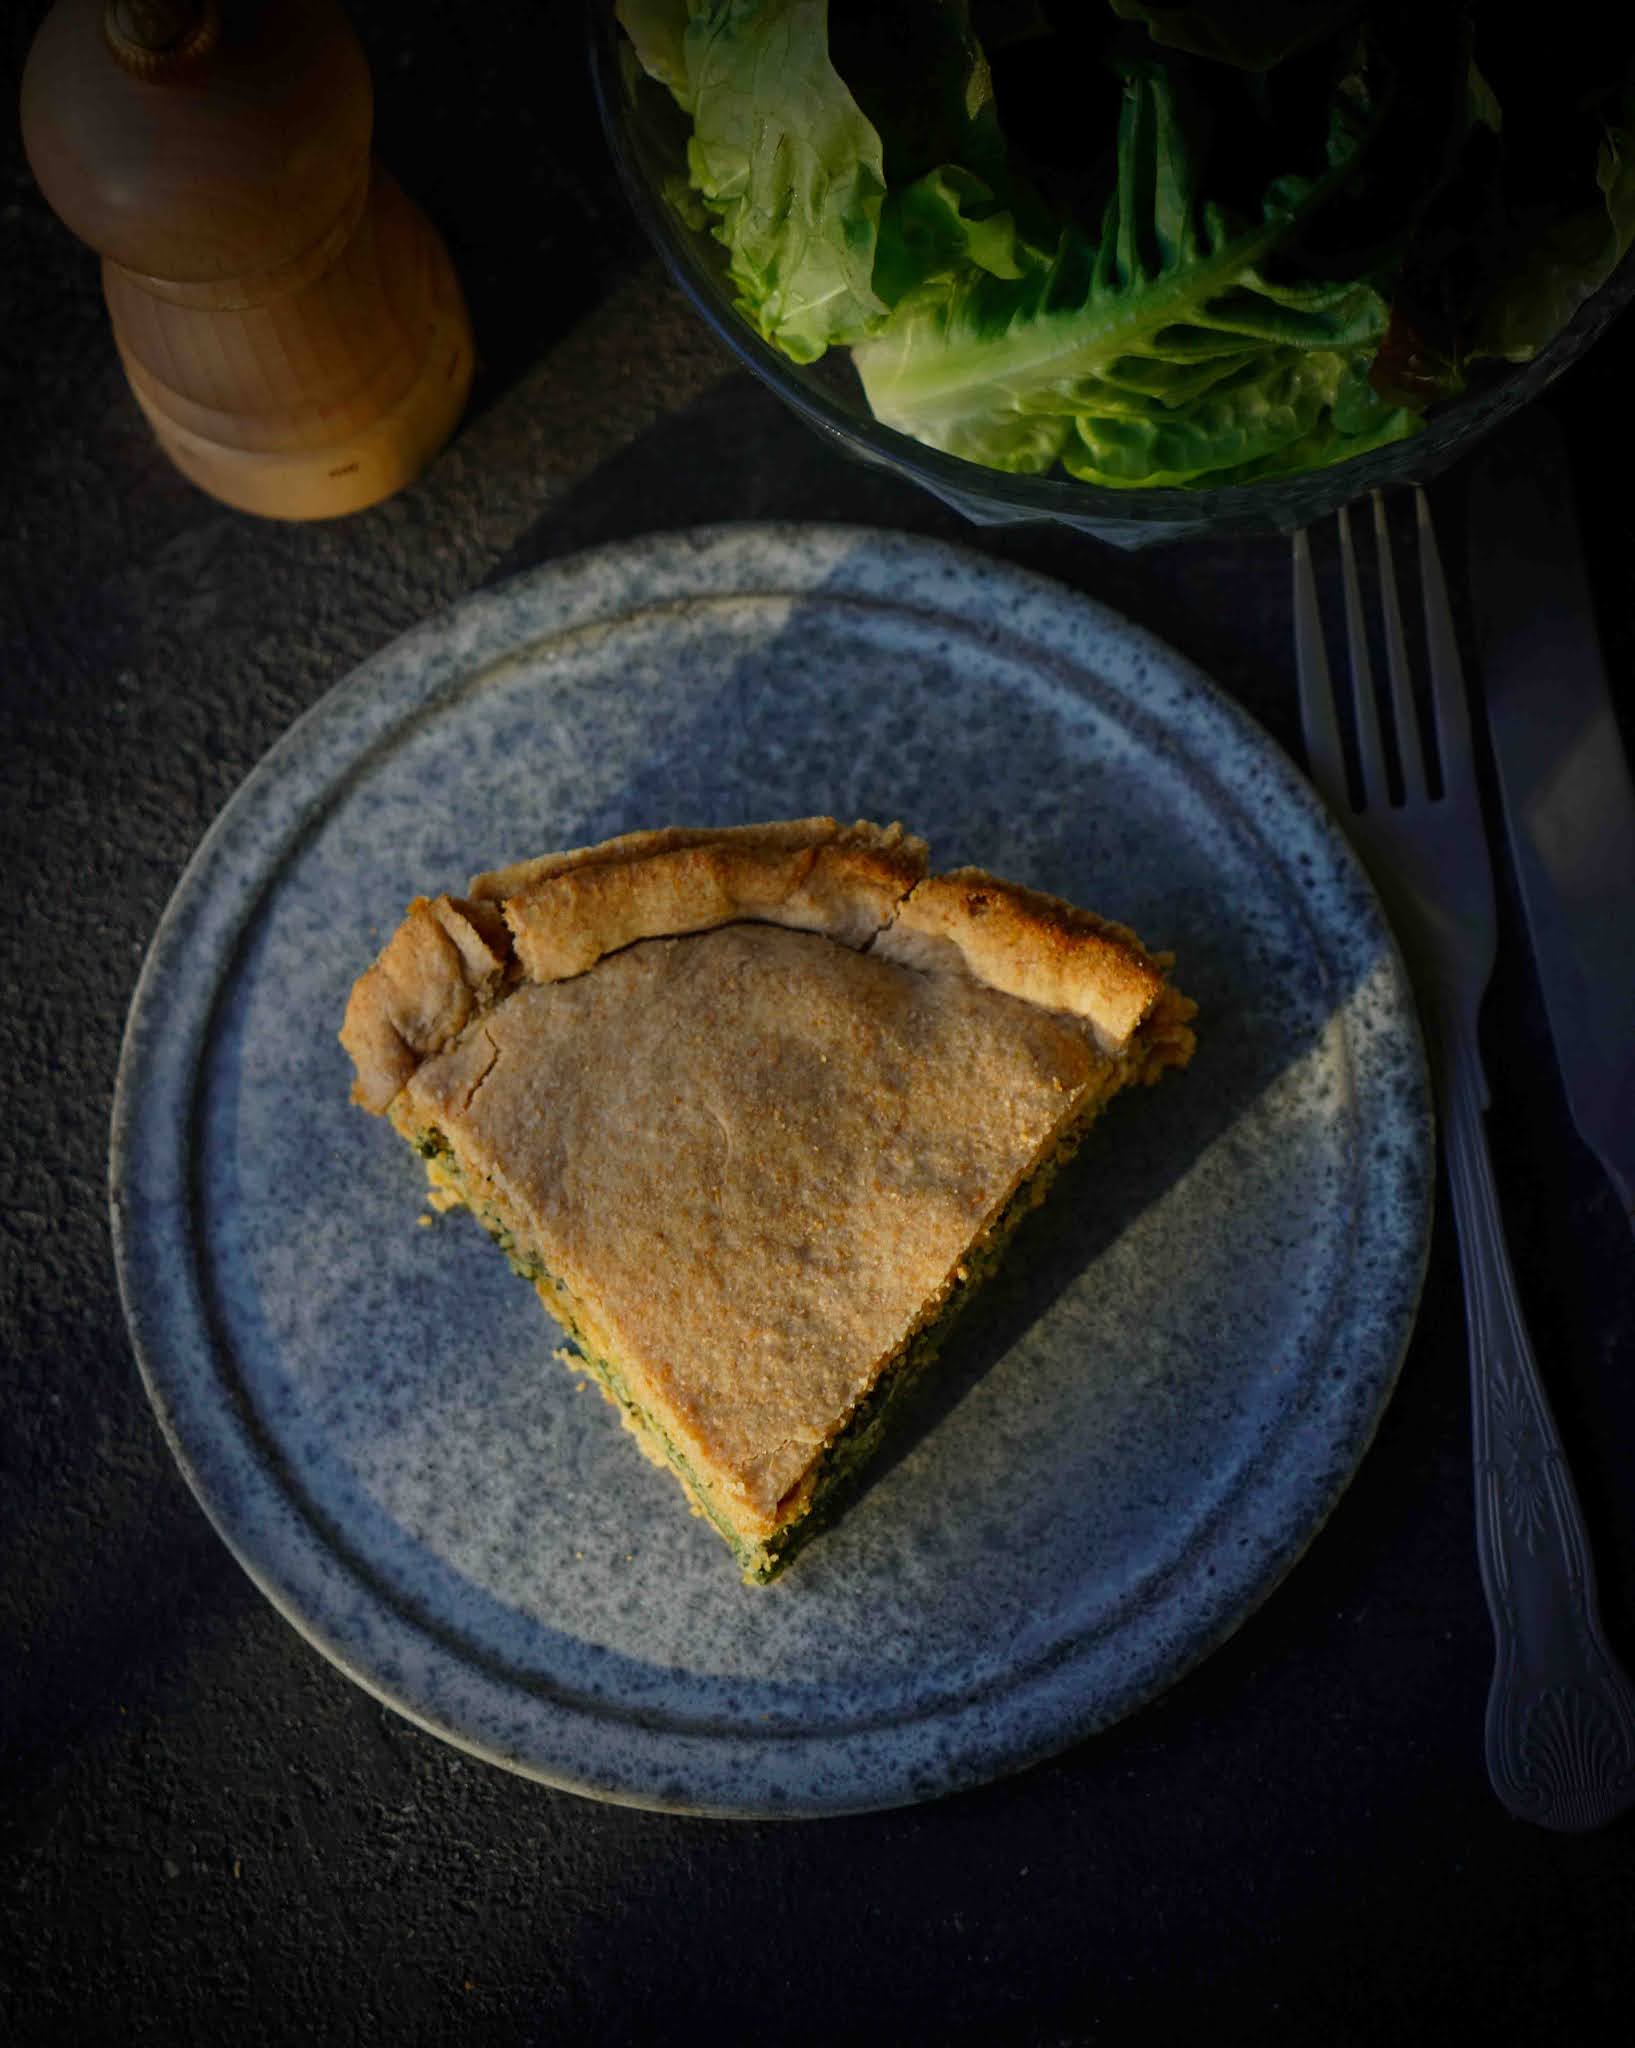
(206, 1832)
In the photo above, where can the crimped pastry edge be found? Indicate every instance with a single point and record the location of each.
(863, 885)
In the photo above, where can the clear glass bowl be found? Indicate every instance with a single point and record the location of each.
(647, 132)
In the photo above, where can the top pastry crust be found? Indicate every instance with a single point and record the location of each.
(753, 1095)
(754, 1159)
(863, 885)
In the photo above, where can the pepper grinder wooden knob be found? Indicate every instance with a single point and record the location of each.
(289, 321)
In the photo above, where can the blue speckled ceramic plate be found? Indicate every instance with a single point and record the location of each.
(1140, 1426)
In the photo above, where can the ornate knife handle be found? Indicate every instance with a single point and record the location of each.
(1561, 1712)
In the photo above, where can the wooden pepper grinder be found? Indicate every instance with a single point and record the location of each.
(289, 321)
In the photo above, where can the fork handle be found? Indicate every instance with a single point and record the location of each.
(1561, 1711)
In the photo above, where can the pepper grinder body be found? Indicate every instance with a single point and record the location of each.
(289, 321)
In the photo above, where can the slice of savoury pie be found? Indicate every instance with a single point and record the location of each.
(755, 1109)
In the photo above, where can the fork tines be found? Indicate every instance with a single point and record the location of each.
(1392, 761)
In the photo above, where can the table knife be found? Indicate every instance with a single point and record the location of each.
(1569, 803)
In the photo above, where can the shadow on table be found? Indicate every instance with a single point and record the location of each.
(164, 1591)
(736, 453)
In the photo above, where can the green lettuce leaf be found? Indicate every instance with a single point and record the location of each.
(658, 32)
(791, 170)
(1537, 211)
(1167, 351)
(653, 43)
(945, 222)
(1251, 34)
(1289, 411)
(1565, 260)
(920, 75)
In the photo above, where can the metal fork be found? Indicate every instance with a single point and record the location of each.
(1560, 1712)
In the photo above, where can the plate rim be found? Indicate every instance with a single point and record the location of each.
(661, 554)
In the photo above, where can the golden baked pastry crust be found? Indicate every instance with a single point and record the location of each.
(445, 962)
(1030, 945)
(629, 848)
(748, 1099)
(846, 884)
(886, 1117)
